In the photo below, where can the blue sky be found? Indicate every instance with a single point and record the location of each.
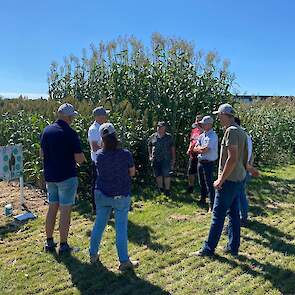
(256, 36)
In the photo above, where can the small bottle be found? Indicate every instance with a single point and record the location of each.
(8, 210)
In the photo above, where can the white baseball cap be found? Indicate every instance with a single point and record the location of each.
(67, 109)
(207, 120)
(225, 108)
(106, 129)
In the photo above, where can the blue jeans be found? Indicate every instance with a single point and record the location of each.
(104, 205)
(226, 202)
(244, 205)
(205, 175)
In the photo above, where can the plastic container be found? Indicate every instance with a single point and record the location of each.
(8, 210)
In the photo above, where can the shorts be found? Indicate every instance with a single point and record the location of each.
(162, 168)
(192, 166)
(63, 192)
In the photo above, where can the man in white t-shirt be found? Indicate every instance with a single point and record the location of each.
(95, 141)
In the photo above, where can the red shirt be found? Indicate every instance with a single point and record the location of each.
(195, 133)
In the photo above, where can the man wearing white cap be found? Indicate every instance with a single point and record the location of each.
(61, 152)
(231, 173)
(95, 141)
(207, 150)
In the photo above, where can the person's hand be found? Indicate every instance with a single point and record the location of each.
(172, 165)
(188, 152)
(218, 184)
(151, 158)
(254, 172)
(197, 149)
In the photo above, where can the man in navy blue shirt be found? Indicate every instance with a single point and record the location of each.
(61, 152)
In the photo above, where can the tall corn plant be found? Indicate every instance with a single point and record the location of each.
(169, 81)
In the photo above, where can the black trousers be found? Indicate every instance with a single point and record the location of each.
(205, 175)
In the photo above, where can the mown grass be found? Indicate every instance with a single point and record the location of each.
(162, 234)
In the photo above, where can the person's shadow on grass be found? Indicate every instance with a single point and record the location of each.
(12, 227)
(272, 237)
(280, 278)
(96, 279)
(141, 235)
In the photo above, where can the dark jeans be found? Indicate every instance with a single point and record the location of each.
(205, 175)
(244, 205)
(226, 202)
(93, 181)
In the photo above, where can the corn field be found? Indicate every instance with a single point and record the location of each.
(171, 81)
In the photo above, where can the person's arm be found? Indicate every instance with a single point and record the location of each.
(131, 171)
(201, 149)
(95, 146)
(42, 144)
(190, 147)
(252, 170)
(77, 150)
(94, 139)
(250, 148)
(41, 153)
(150, 150)
(80, 158)
(131, 165)
(197, 146)
(232, 157)
(173, 153)
(211, 144)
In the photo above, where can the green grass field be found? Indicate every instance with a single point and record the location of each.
(162, 234)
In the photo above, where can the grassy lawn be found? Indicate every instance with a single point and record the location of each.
(162, 234)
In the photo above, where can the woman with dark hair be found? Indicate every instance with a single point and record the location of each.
(115, 167)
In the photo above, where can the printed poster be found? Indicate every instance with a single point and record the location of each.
(11, 162)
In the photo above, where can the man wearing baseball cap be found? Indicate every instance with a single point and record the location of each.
(61, 152)
(231, 173)
(161, 151)
(207, 150)
(95, 141)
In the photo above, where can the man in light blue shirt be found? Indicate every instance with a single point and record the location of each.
(207, 149)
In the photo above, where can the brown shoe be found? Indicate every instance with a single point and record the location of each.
(128, 265)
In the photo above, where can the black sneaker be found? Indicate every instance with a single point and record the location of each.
(50, 246)
(190, 190)
(167, 193)
(244, 223)
(65, 248)
(202, 202)
(203, 253)
(226, 250)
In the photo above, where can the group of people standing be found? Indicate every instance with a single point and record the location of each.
(113, 167)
